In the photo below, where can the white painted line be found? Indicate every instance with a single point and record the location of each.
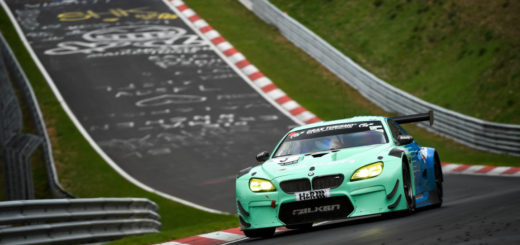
(306, 115)
(172, 243)
(449, 168)
(289, 105)
(188, 13)
(223, 236)
(212, 34)
(223, 46)
(236, 58)
(232, 242)
(276, 94)
(473, 169)
(231, 62)
(177, 3)
(82, 130)
(262, 82)
(249, 69)
(200, 23)
(498, 171)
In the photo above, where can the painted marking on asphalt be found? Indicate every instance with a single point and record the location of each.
(215, 238)
(461, 168)
(473, 169)
(485, 169)
(454, 168)
(243, 65)
(223, 236)
(80, 127)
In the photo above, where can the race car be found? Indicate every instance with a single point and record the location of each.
(338, 170)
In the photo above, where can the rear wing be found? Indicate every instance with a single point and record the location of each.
(415, 118)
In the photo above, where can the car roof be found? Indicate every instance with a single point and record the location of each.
(339, 121)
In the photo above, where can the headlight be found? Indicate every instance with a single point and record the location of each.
(261, 185)
(368, 171)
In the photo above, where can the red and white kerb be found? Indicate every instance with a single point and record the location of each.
(454, 168)
(240, 61)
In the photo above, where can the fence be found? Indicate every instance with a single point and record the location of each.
(476, 133)
(17, 147)
(76, 220)
(52, 220)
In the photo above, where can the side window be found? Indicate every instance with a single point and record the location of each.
(395, 129)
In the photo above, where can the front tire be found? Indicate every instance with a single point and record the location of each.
(408, 189)
(263, 232)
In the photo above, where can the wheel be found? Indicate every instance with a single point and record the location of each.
(300, 226)
(263, 232)
(407, 189)
(438, 183)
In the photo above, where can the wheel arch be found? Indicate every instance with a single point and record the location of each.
(437, 160)
(406, 160)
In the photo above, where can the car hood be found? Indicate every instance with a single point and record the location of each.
(327, 162)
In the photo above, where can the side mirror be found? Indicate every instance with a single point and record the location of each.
(404, 139)
(262, 156)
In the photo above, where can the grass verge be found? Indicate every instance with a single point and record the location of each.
(464, 56)
(85, 174)
(313, 86)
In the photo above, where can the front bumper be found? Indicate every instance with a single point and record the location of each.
(351, 199)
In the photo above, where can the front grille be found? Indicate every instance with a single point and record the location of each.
(296, 185)
(315, 210)
(329, 181)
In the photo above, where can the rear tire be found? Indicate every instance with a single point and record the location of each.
(263, 232)
(438, 183)
(408, 189)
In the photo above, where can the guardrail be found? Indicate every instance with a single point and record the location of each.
(76, 220)
(17, 147)
(473, 132)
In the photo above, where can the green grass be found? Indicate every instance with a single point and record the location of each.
(307, 82)
(461, 55)
(85, 174)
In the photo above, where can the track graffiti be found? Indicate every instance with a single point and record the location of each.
(155, 98)
(152, 36)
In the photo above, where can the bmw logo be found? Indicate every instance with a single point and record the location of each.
(311, 173)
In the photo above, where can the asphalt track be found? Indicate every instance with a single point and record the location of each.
(153, 94)
(476, 210)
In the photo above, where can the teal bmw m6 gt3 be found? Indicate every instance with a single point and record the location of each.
(336, 170)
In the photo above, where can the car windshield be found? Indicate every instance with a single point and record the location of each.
(331, 137)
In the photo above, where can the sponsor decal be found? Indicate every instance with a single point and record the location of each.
(318, 209)
(311, 195)
(378, 128)
(288, 163)
(329, 128)
(424, 153)
(294, 134)
(284, 161)
(365, 125)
